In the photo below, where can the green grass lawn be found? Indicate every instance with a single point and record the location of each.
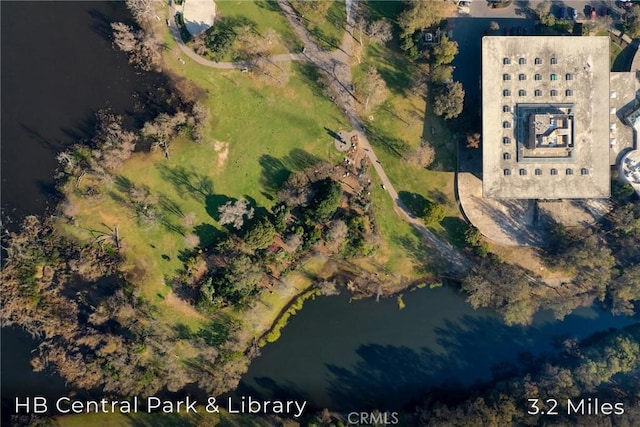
(395, 127)
(256, 134)
(265, 14)
(327, 29)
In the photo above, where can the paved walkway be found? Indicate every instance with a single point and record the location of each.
(336, 64)
(508, 222)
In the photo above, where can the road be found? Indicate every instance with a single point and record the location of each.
(336, 64)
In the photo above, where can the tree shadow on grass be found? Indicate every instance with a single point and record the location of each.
(415, 202)
(391, 144)
(187, 182)
(216, 332)
(168, 206)
(312, 76)
(324, 41)
(271, 6)
(332, 134)
(208, 235)
(337, 14)
(419, 251)
(385, 9)
(123, 184)
(398, 79)
(455, 229)
(438, 196)
(299, 159)
(259, 212)
(170, 226)
(213, 203)
(276, 171)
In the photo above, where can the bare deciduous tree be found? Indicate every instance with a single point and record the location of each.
(338, 232)
(191, 240)
(374, 89)
(163, 128)
(380, 31)
(327, 287)
(142, 48)
(422, 156)
(69, 209)
(234, 213)
(293, 242)
(142, 10)
(113, 143)
(189, 219)
(296, 190)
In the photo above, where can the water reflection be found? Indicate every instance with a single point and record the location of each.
(367, 355)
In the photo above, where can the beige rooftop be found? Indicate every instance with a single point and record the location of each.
(545, 115)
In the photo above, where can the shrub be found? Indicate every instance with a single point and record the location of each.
(433, 214)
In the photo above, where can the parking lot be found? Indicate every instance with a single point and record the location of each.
(521, 8)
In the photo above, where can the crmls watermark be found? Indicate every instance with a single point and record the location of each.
(372, 418)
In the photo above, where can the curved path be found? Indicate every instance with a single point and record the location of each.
(336, 65)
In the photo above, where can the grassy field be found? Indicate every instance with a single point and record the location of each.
(395, 127)
(256, 134)
(264, 14)
(327, 29)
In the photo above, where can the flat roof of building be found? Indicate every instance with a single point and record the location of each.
(545, 76)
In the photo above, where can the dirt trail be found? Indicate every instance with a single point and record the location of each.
(336, 64)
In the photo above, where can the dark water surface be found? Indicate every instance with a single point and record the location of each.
(58, 68)
(363, 354)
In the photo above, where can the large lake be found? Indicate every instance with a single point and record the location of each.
(58, 69)
(365, 354)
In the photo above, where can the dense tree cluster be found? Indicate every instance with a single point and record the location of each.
(632, 21)
(448, 100)
(602, 262)
(419, 15)
(597, 364)
(92, 326)
(109, 148)
(262, 247)
(504, 287)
